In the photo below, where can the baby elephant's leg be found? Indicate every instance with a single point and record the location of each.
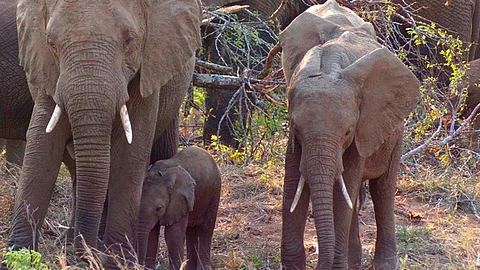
(192, 247)
(205, 235)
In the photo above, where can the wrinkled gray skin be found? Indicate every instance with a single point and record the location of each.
(16, 104)
(347, 99)
(460, 17)
(182, 194)
(89, 64)
(471, 82)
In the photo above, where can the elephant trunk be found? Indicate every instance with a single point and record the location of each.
(91, 128)
(142, 241)
(147, 240)
(91, 90)
(320, 167)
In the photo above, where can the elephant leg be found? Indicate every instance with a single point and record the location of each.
(69, 162)
(192, 248)
(354, 243)
(352, 174)
(175, 240)
(293, 224)
(127, 172)
(205, 235)
(15, 151)
(166, 145)
(382, 191)
(43, 156)
(152, 247)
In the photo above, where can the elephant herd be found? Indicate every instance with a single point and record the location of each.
(101, 89)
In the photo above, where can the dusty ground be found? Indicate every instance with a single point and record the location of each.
(247, 236)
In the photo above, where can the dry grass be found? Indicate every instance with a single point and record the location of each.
(436, 227)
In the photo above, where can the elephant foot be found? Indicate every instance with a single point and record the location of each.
(384, 264)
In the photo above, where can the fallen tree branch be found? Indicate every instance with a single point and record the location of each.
(226, 10)
(446, 140)
(213, 67)
(227, 82)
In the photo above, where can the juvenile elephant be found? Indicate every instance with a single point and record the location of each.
(347, 98)
(182, 194)
(87, 62)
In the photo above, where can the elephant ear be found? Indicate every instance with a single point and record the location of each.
(389, 92)
(35, 55)
(173, 36)
(182, 198)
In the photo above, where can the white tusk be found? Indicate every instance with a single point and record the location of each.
(345, 192)
(57, 112)
(301, 183)
(127, 126)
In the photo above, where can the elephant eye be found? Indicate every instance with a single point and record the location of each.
(52, 45)
(128, 41)
(160, 173)
(348, 131)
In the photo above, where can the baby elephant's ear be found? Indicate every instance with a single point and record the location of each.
(389, 92)
(182, 198)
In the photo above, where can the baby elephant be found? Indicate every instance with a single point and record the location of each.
(182, 194)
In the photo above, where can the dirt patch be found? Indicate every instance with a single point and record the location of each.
(248, 231)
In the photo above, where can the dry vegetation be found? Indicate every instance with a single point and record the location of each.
(436, 225)
(437, 203)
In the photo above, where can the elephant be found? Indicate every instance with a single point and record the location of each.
(216, 101)
(16, 104)
(460, 17)
(471, 82)
(347, 98)
(182, 194)
(107, 78)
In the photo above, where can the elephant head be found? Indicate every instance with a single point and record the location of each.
(91, 57)
(168, 195)
(345, 92)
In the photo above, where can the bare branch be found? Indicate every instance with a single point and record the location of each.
(271, 55)
(213, 67)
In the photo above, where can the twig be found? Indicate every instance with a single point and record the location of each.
(424, 145)
(269, 60)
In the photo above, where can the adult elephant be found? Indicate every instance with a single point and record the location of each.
(86, 63)
(16, 104)
(216, 101)
(346, 123)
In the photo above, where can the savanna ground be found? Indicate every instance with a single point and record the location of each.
(438, 195)
(436, 224)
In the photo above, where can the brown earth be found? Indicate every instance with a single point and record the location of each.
(248, 229)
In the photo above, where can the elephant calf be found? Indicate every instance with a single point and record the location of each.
(182, 194)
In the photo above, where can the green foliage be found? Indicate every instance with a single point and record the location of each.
(24, 259)
(438, 58)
